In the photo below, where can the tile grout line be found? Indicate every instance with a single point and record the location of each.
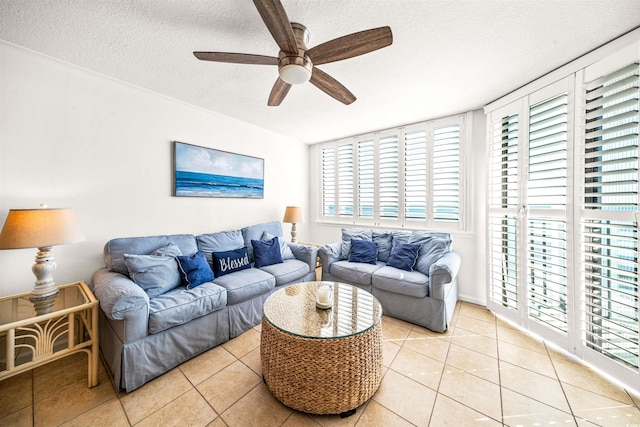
(564, 393)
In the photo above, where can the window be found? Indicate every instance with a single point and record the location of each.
(563, 212)
(527, 228)
(408, 176)
(609, 234)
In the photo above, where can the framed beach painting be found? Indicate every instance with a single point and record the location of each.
(206, 172)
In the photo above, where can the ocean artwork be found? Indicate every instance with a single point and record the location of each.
(205, 172)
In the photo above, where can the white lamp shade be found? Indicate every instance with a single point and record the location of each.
(35, 228)
(293, 214)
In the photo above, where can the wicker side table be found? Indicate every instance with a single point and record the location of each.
(322, 361)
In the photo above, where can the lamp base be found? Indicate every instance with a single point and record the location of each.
(294, 233)
(43, 305)
(43, 269)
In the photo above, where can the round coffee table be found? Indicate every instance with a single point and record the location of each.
(322, 361)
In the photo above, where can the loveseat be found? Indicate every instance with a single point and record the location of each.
(413, 274)
(166, 299)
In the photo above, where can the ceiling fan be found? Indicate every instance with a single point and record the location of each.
(297, 63)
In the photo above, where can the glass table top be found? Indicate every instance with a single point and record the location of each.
(18, 307)
(293, 310)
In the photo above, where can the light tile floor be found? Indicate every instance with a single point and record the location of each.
(481, 372)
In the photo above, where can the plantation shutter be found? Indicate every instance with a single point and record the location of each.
(345, 180)
(415, 175)
(388, 171)
(446, 173)
(503, 209)
(328, 181)
(546, 220)
(609, 249)
(366, 179)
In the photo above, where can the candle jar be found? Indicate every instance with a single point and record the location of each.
(324, 295)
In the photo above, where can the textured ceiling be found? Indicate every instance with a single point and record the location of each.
(447, 56)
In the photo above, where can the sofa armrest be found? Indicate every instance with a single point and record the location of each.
(119, 296)
(305, 253)
(443, 272)
(329, 254)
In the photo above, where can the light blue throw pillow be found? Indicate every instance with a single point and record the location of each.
(154, 274)
(433, 245)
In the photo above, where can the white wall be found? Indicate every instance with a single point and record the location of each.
(471, 244)
(73, 138)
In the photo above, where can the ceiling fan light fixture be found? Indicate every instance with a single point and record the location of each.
(295, 74)
(295, 70)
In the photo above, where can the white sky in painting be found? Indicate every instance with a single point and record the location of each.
(191, 158)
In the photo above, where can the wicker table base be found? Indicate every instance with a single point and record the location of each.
(321, 376)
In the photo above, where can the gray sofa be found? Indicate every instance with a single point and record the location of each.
(143, 334)
(426, 294)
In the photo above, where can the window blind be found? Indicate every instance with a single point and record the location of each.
(366, 179)
(415, 175)
(503, 203)
(328, 181)
(609, 250)
(546, 233)
(345, 179)
(446, 173)
(388, 171)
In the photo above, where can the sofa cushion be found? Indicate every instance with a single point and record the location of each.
(255, 232)
(288, 271)
(404, 256)
(194, 270)
(115, 249)
(266, 252)
(181, 305)
(230, 261)
(400, 237)
(384, 242)
(354, 272)
(353, 233)
(285, 250)
(411, 283)
(219, 242)
(363, 251)
(245, 284)
(154, 274)
(432, 247)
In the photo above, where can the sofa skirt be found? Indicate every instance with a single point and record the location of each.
(136, 363)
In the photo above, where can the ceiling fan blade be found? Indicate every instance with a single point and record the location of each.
(276, 20)
(351, 45)
(278, 92)
(236, 58)
(331, 86)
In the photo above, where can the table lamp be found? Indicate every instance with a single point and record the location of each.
(40, 228)
(293, 215)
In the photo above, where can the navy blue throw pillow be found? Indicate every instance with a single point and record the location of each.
(266, 252)
(363, 251)
(229, 261)
(404, 256)
(194, 270)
